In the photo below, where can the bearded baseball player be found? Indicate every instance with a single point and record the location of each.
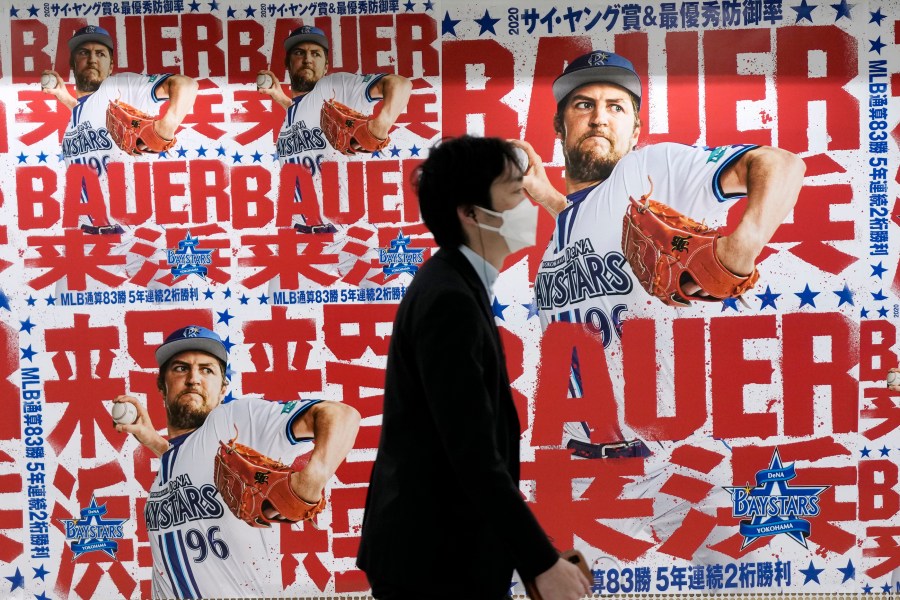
(302, 139)
(87, 139)
(220, 483)
(585, 275)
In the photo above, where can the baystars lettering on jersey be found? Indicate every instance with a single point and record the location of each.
(87, 141)
(584, 277)
(200, 549)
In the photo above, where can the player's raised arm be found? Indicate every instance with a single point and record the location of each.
(396, 91)
(536, 182)
(772, 179)
(181, 92)
(267, 84)
(142, 428)
(52, 83)
(333, 427)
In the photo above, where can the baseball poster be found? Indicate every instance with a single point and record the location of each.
(238, 177)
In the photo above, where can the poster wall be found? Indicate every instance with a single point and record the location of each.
(774, 461)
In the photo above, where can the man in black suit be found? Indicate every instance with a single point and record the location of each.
(444, 516)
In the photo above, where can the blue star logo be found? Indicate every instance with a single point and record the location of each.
(448, 25)
(40, 572)
(17, 580)
(884, 450)
(208, 294)
(879, 297)
(876, 45)
(92, 532)
(32, 301)
(236, 158)
(849, 572)
(864, 453)
(774, 507)
(486, 23)
(224, 317)
(883, 312)
(51, 301)
(28, 353)
(27, 325)
(804, 11)
(498, 309)
(730, 303)
(231, 13)
(244, 300)
(250, 11)
(263, 299)
(811, 573)
(182, 152)
(400, 258)
(42, 157)
(14, 12)
(532, 309)
(220, 151)
(201, 152)
(409, 6)
(768, 298)
(188, 258)
(845, 295)
(807, 296)
(429, 5)
(878, 270)
(843, 10)
(228, 344)
(876, 17)
(33, 11)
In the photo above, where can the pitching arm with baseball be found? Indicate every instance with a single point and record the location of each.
(333, 427)
(273, 90)
(537, 184)
(181, 92)
(772, 179)
(142, 428)
(57, 89)
(396, 91)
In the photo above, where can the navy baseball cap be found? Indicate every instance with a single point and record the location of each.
(597, 67)
(307, 33)
(91, 33)
(192, 337)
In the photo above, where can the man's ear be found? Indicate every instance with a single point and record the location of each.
(467, 214)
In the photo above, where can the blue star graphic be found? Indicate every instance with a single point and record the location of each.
(41, 596)
(231, 13)
(201, 151)
(182, 152)
(877, 17)
(845, 295)
(51, 301)
(884, 450)
(28, 353)
(31, 301)
(195, 6)
(257, 157)
(768, 298)
(486, 23)
(878, 270)
(448, 25)
(244, 299)
(33, 11)
(4, 301)
(17, 580)
(27, 325)
(224, 317)
(804, 11)
(42, 157)
(395, 151)
(865, 452)
(811, 573)
(730, 303)
(807, 296)
(220, 151)
(429, 5)
(843, 10)
(863, 314)
(208, 294)
(227, 293)
(263, 299)
(498, 309)
(849, 571)
(213, 5)
(228, 398)
(532, 309)
(13, 12)
(228, 344)
(867, 589)
(879, 297)
(163, 155)
(22, 158)
(40, 572)
(409, 6)
(236, 157)
(883, 312)
(275, 156)
(250, 11)
(414, 151)
(877, 45)
(886, 588)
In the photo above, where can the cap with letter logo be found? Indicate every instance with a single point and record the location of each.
(597, 67)
(307, 33)
(192, 337)
(91, 33)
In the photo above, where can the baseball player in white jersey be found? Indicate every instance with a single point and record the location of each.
(301, 140)
(200, 548)
(583, 275)
(87, 140)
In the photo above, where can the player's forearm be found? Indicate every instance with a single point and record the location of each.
(182, 92)
(396, 91)
(333, 426)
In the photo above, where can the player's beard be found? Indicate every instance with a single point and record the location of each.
(302, 84)
(590, 164)
(185, 415)
(88, 80)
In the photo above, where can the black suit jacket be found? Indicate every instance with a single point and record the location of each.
(444, 515)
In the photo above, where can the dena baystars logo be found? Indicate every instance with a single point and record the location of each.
(188, 258)
(774, 506)
(92, 532)
(400, 258)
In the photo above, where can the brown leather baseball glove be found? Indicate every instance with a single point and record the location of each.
(667, 250)
(347, 130)
(251, 483)
(133, 131)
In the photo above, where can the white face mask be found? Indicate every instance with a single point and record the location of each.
(519, 228)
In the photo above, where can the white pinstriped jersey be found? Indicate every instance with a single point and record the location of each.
(200, 549)
(87, 141)
(585, 278)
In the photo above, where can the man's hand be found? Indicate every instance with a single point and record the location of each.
(142, 429)
(57, 89)
(274, 92)
(562, 581)
(536, 182)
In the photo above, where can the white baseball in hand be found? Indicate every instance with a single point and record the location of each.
(264, 81)
(48, 81)
(124, 413)
(893, 378)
